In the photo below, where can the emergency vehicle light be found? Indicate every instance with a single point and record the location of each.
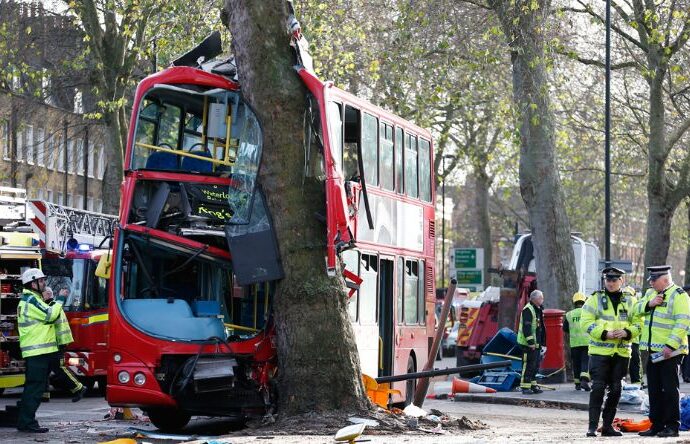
(85, 247)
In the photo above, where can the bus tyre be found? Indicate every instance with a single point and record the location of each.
(169, 420)
(411, 383)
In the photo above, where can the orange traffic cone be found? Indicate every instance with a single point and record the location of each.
(461, 386)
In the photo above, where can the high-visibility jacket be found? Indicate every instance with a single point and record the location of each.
(598, 315)
(636, 339)
(577, 335)
(35, 319)
(666, 324)
(536, 331)
(63, 332)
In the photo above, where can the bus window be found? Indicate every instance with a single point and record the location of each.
(411, 291)
(350, 148)
(386, 170)
(351, 262)
(335, 129)
(399, 161)
(421, 303)
(400, 290)
(424, 170)
(370, 149)
(411, 165)
(367, 290)
(169, 126)
(98, 297)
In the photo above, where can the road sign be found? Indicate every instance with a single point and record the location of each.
(467, 267)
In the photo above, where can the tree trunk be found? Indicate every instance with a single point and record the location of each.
(315, 341)
(112, 178)
(687, 248)
(481, 203)
(524, 26)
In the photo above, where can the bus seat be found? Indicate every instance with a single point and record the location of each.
(160, 160)
(198, 165)
(174, 320)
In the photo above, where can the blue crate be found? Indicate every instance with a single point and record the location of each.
(515, 362)
(500, 381)
(504, 342)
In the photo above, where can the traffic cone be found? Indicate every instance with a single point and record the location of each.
(461, 386)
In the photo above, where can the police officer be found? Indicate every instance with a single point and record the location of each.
(579, 341)
(531, 336)
(38, 345)
(608, 317)
(635, 366)
(666, 312)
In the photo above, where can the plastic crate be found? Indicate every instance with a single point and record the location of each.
(500, 381)
(504, 342)
(515, 364)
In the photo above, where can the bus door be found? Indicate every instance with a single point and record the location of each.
(385, 311)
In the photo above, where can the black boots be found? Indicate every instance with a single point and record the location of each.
(667, 433)
(585, 386)
(608, 430)
(592, 431)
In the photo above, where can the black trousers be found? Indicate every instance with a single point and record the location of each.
(530, 366)
(60, 376)
(606, 372)
(580, 360)
(635, 367)
(686, 367)
(663, 385)
(37, 370)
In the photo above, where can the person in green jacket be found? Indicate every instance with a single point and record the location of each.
(666, 310)
(38, 345)
(531, 337)
(609, 318)
(579, 343)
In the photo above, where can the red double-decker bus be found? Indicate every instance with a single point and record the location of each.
(190, 324)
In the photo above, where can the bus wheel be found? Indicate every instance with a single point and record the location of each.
(169, 420)
(411, 383)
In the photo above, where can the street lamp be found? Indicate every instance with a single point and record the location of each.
(443, 218)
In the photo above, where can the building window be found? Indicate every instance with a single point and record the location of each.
(40, 146)
(49, 196)
(5, 139)
(99, 205)
(60, 148)
(20, 145)
(40, 194)
(92, 154)
(89, 203)
(29, 144)
(79, 157)
(49, 152)
(78, 104)
(60, 201)
(79, 201)
(70, 200)
(101, 162)
(70, 157)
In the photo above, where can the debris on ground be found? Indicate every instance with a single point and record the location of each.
(365, 421)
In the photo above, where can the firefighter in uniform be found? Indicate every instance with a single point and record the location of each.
(635, 366)
(666, 312)
(38, 345)
(61, 376)
(532, 337)
(609, 318)
(579, 341)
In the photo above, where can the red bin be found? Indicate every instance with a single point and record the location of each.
(554, 358)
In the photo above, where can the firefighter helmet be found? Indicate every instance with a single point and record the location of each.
(31, 275)
(579, 297)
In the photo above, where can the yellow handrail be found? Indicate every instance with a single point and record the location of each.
(240, 327)
(185, 154)
(380, 353)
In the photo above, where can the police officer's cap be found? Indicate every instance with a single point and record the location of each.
(612, 272)
(657, 271)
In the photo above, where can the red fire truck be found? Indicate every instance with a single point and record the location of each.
(72, 241)
(190, 325)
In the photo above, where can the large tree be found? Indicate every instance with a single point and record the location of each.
(525, 25)
(314, 336)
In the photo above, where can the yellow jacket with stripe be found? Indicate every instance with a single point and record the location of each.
(35, 319)
(599, 316)
(666, 324)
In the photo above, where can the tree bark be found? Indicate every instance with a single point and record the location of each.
(481, 202)
(687, 251)
(112, 177)
(314, 336)
(523, 23)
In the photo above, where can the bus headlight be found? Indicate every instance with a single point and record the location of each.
(123, 377)
(139, 379)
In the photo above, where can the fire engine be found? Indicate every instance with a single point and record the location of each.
(72, 241)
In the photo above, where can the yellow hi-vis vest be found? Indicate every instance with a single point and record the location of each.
(598, 315)
(640, 318)
(577, 335)
(63, 332)
(521, 339)
(666, 324)
(35, 320)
